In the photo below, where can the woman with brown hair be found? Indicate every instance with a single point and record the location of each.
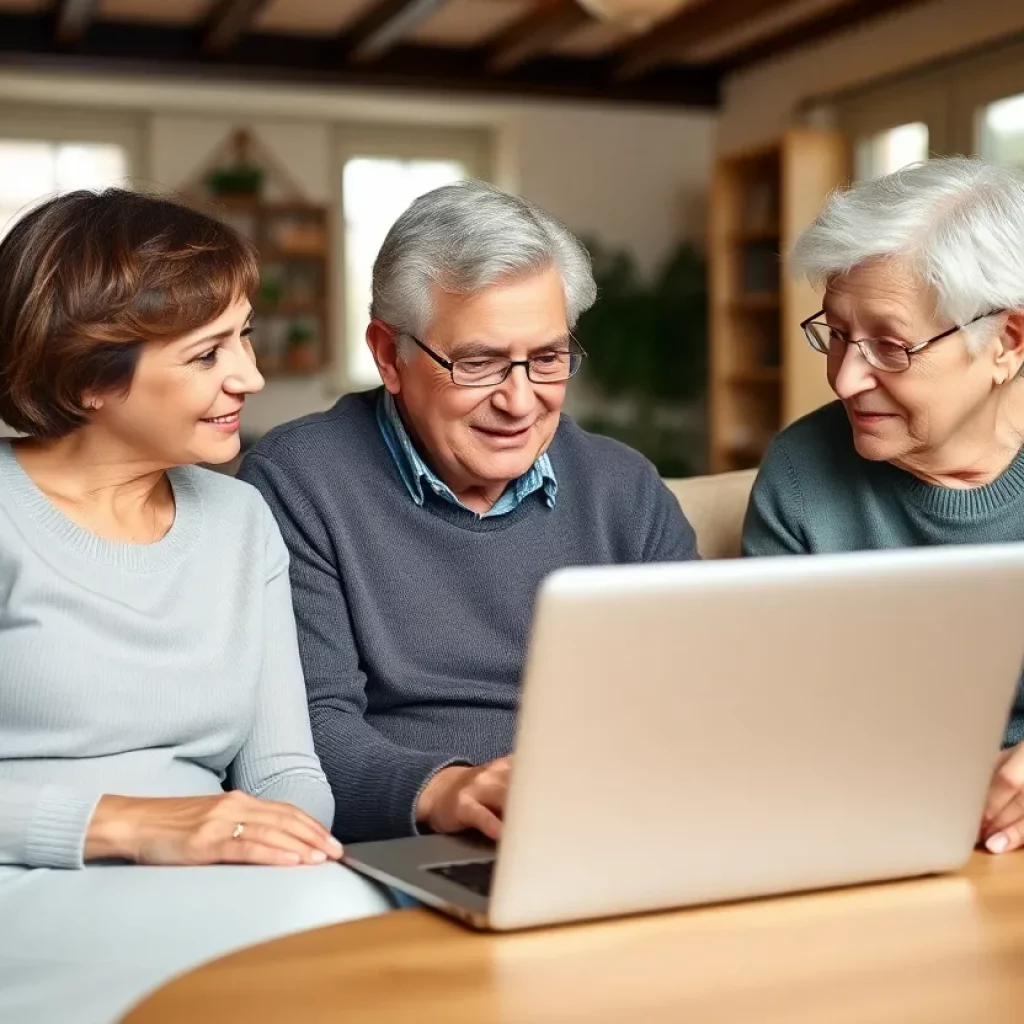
(153, 705)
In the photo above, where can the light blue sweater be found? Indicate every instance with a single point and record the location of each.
(144, 670)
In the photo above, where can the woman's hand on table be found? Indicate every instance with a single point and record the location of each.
(233, 828)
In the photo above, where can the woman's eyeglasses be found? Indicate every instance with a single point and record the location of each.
(882, 354)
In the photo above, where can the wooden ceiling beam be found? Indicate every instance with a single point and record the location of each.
(384, 26)
(138, 48)
(72, 20)
(533, 34)
(831, 22)
(698, 22)
(226, 23)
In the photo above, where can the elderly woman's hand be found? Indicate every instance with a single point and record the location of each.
(1002, 826)
(233, 828)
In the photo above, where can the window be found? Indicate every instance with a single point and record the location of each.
(889, 150)
(33, 169)
(968, 104)
(1001, 131)
(375, 191)
(380, 170)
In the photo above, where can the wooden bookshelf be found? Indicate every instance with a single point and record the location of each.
(291, 307)
(763, 374)
(245, 186)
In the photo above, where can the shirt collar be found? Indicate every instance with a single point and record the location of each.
(416, 474)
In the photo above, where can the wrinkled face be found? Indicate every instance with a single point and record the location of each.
(186, 395)
(481, 438)
(913, 415)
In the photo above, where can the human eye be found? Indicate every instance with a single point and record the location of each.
(207, 358)
(886, 348)
(549, 359)
(483, 366)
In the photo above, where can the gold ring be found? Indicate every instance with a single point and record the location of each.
(239, 829)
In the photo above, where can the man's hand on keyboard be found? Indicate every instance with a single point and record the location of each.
(459, 798)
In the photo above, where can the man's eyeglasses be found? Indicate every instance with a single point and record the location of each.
(485, 371)
(882, 354)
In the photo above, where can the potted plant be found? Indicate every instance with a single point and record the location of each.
(235, 181)
(646, 343)
(302, 349)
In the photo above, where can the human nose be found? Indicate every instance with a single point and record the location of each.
(244, 377)
(515, 395)
(853, 374)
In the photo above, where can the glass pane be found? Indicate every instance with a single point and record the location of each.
(26, 171)
(890, 150)
(31, 170)
(375, 192)
(1002, 132)
(89, 166)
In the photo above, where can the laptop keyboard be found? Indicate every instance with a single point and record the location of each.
(473, 875)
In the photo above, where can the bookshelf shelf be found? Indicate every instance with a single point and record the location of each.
(763, 375)
(292, 239)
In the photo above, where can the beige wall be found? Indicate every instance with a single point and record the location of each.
(633, 177)
(760, 102)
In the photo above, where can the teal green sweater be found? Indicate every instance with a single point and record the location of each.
(815, 494)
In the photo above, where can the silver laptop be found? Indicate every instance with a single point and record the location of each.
(703, 732)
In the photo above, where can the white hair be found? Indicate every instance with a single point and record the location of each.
(957, 223)
(463, 238)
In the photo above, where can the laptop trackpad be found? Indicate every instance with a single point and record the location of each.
(474, 875)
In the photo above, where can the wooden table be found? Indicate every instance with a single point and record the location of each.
(923, 952)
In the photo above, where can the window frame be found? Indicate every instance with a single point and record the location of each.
(44, 123)
(947, 96)
(886, 107)
(474, 147)
(979, 82)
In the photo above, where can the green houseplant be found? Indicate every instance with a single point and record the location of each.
(646, 342)
(239, 180)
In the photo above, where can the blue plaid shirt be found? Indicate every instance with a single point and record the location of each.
(415, 472)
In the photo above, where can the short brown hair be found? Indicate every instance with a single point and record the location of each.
(87, 279)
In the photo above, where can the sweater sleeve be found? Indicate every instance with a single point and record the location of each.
(669, 537)
(775, 513)
(375, 782)
(43, 826)
(277, 761)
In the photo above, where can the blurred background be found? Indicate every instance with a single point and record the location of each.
(686, 141)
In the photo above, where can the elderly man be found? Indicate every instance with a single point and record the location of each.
(421, 517)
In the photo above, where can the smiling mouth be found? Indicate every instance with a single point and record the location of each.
(865, 414)
(229, 420)
(491, 431)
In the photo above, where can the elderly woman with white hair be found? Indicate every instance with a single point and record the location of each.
(922, 328)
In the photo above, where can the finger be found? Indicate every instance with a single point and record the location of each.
(1001, 792)
(238, 803)
(281, 839)
(292, 820)
(1011, 837)
(245, 851)
(491, 794)
(1013, 811)
(477, 816)
(1007, 780)
(310, 831)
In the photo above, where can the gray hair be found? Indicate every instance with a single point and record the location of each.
(957, 223)
(463, 238)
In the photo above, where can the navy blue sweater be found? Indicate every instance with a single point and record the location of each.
(413, 621)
